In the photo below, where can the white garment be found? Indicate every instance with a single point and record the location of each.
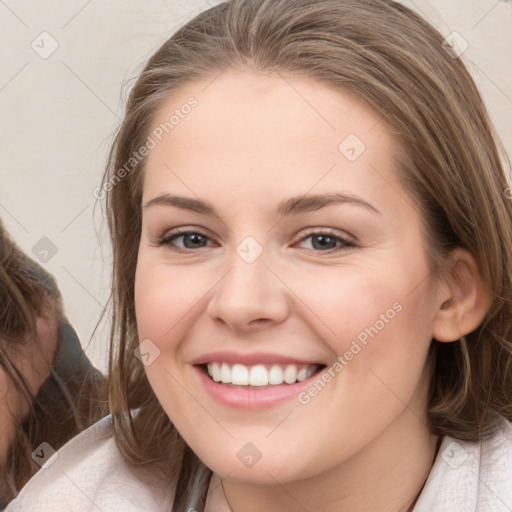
(89, 475)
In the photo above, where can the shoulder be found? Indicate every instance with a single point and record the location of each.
(495, 471)
(471, 476)
(88, 474)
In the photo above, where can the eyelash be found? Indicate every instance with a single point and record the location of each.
(169, 238)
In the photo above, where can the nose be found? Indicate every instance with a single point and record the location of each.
(250, 297)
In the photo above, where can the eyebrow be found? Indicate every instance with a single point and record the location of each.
(291, 206)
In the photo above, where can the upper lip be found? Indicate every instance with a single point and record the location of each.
(250, 359)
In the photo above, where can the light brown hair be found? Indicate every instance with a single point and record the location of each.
(392, 59)
(68, 401)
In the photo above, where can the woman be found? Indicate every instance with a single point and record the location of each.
(312, 275)
(49, 390)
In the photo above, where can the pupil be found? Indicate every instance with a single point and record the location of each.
(193, 240)
(324, 242)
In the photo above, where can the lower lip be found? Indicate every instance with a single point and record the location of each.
(253, 398)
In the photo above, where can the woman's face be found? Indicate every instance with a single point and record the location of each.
(276, 240)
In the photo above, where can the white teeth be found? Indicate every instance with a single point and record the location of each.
(225, 373)
(260, 374)
(275, 375)
(240, 375)
(290, 374)
(302, 374)
(215, 372)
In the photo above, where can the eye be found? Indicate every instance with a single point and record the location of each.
(185, 240)
(326, 242)
(320, 241)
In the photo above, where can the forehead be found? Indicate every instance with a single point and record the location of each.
(267, 131)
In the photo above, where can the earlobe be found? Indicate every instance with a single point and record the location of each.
(463, 301)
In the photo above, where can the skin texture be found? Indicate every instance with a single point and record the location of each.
(252, 142)
(33, 360)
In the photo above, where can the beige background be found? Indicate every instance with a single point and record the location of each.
(58, 114)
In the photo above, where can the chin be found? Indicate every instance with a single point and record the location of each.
(245, 466)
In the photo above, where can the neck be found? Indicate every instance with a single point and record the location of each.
(387, 475)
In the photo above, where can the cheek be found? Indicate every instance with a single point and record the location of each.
(344, 303)
(378, 319)
(380, 335)
(165, 298)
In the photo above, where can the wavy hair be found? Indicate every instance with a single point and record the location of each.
(69, 400)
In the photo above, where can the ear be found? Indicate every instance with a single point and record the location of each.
(463, 300)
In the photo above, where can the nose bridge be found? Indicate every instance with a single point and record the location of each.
(247, 278)
(249, 291)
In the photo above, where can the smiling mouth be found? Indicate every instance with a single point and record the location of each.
(259, 376)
